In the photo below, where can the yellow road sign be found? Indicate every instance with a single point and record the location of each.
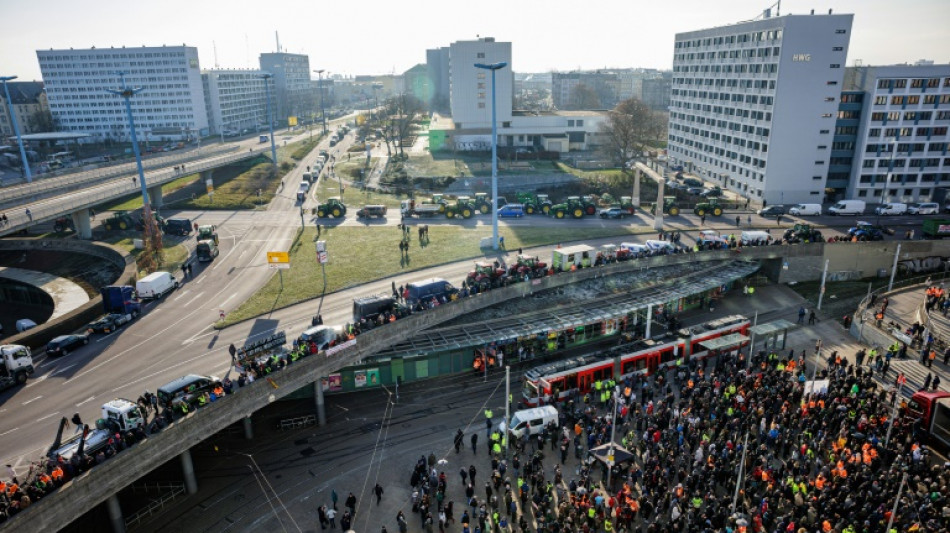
(278, 259)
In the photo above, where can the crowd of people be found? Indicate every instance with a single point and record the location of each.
(827, 461)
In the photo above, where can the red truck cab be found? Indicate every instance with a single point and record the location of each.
(932, 409)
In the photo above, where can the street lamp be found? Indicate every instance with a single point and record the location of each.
(16, 128)
(494, 151)
(126, 93)
(270, 119)
(887, 178)
(323, 113)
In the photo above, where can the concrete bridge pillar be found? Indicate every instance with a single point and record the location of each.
(155, 197)
(115, 514)
(188, 471)
(649, 320)
(658, 218)
(248, 428)
(83, 224)
(321, 407)
(636, 188)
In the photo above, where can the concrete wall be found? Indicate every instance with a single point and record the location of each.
(852, 260)
(77, 318)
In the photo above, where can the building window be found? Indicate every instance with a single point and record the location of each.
(835, 65)
(837, 49)
(480, 55)
(580, 123)
(570, 123)
(841, 31)
(506, 124)
(816, 177)
(862, 193)
(832, 83)
(481, 105)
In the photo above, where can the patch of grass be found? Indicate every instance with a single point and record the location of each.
(350, 265)
(303, 148)
(235, 187)
(354, 197)
(174, 254)
(133, 202)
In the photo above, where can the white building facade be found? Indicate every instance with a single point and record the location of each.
(235, 99)
(901, 150)
(170, 106)
(753, 104)
(470, 88)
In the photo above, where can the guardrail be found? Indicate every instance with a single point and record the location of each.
(87, 197)
(171, 491)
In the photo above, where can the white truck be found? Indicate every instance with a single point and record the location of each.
(155, 285)
(17, 365)
(118, 416)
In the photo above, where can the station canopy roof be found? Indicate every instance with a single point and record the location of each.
(772, 327)
(726, 342)
(53, 136)
(678, 284)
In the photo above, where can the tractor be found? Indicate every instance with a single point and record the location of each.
(530, 266)
(61, 224)
(464, 207)
(486, 276)
(865, 231)
(626, 203)
(334, 207)
(207, 233)
(669, 206)
(572, 206)
(534, 203)
(483, 203)
(120, 220)
(589, 203)
(802, 233)
(710, 207)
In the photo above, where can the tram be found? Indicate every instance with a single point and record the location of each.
(560, 379)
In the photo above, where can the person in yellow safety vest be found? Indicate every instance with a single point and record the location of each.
(488, 414)
(496, 448)
(751, 290)
(598, 385)
(608, 525)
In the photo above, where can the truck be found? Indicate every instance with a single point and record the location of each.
(372, 211)
(936, 228)
(156, 285)
(207, 233)
(930, 411)
(534, 203)
(17, 365)
(120, 299)
(581, 256)
(409, 208)
(333, 207)
(118, 416)
(206, 250)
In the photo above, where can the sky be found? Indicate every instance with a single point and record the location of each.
(377, 37)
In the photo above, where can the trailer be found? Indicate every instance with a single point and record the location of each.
(409, 208)
(936, 228)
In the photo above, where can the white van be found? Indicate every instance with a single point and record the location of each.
(755, 238)
(322, 336)
(848, 207)
(155, 285)
(891, 209)
(660, 247)
(634, 248)
(926, 208)
(802, 210)
(530, 421)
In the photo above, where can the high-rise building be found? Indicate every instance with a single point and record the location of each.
(753, 104)
(897, 138)
(437, 67)
(471, 87)
(30, 106)
(416, 83)
(655, 92)
(586, 90)
(291, 84)
(235, 99)
(171, 104)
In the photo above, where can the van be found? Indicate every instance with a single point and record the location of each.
(206, 250)
(530, 421)
(891, 209)
(178, 226)
(634, 248)
(24, 324)
(803, 210)
(428, 289)
(308, 177)
(926, 208)
(155, 285)
(511, 210)
(322, 336)
(370, 307)
(186, 389)
(660, 247)
(848, 207)
(755, 238)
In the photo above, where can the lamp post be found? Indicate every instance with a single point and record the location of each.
(887, 177)
(494, 151)
(323, 113)
(126, 93)
(270, 119)
(16, 128)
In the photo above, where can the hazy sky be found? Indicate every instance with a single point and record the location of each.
(375, 37)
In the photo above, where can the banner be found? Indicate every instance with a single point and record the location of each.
(335, 382)
(359, 378)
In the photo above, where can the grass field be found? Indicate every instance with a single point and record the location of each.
(351, 265)
(173, 254)
(134, 201)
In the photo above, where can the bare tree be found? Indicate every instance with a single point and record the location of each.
(584, 97)
(628, 128)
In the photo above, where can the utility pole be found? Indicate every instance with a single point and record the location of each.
(613, 433)
(748, 364)
(824, 274)
(900, 490)
(897, 254)
(735, 497)
(506, 436)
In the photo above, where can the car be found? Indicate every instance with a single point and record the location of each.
(675, 186)
(771, 211)
(613, 212)
(927, 208)
(63, 344)
(304, 186)
(694, 190)
(109, 323)
(714, 192)
(511, 210)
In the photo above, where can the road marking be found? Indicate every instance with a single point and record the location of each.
(8, 431)
(182, 293)
(228, 299)
(87, 400)
(47, 362)
(37, 380)
(51, 415)
(104, 337)
(58, 370)
(199, 295)
(31, 401)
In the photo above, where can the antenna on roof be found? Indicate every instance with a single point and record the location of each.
(277, 36)
(214, 45)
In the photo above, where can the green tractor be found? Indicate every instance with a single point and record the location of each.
(437, 199)
(333, 208)
(669, 206)
(120, 220)
(803, 233)
(207, 233)
(483, 203)
(626, 203)
(590, 205)
(573, 206)
(710, 207)
(464, 207)
(535, 203)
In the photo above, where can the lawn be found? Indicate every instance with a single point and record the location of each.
(173, 254)
(245, 186)
(350, 265)
(133, 202)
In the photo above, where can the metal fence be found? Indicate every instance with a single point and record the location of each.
(167, 492)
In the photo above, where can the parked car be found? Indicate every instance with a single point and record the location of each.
(927, 208)
(109, 323)
(613, 212)
(771, 211)
(714, 192)
(695, 190)
(511, 210)
(63, 344)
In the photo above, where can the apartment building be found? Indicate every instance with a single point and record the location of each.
(235, 99)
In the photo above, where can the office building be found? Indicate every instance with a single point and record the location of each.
(235, 100)
(437, 68)
(30, 106)
(655, 92)
(585, 90)
(171, 104)
(416, 83)
(753, 104)
(897, 143)
(291, 85)
(470, 88)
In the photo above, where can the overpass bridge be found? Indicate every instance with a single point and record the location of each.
(102, 483)
(75, 194)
